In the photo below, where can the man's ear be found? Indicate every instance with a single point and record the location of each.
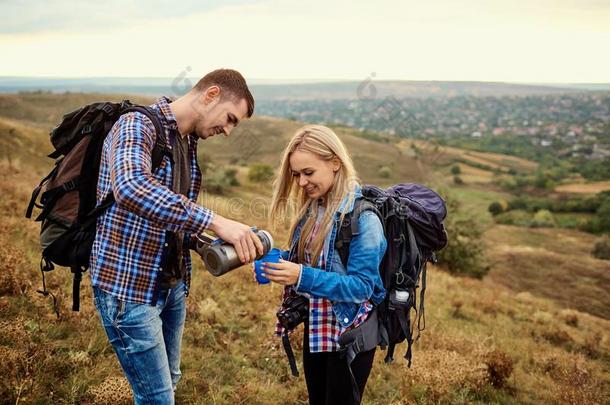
(212, 93)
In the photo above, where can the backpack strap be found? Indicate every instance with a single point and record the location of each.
(160, 148)
(36, 192)
(159, 151)
(350, 227)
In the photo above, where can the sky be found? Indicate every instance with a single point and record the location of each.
(526, 41)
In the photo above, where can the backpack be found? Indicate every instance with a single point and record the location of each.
(412, 216)
(68, 193)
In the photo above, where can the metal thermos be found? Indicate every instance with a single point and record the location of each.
(220, 257)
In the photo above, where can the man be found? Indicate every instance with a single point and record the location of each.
(140, 263)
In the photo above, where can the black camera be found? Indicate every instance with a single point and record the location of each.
(294, 310)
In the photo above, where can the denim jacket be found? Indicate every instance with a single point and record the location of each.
(349, 288)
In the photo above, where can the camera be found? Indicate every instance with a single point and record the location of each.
(294, 310)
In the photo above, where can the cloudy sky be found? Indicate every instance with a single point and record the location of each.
(487, 40)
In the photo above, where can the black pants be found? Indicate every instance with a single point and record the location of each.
(328, 378)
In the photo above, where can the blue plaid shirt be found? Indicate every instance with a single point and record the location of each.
(130, 246)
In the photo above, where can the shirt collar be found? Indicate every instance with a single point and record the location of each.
(162, 105)
(344, 207)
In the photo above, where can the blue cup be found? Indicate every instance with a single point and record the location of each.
(273, 256)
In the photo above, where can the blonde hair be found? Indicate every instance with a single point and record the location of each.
(291, 202)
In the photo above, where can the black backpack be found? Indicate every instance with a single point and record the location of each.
(412, 216)
(68, 193)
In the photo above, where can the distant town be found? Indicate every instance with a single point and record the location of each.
(575, 125)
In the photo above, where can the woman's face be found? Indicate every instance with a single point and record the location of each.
(314, 174)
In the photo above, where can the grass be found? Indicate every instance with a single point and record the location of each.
(553, 263)
(534, 331)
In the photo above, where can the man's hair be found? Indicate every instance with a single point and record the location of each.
(231, 83)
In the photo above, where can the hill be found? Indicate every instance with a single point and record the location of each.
(496, 340)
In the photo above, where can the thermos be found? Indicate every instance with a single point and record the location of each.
(220, 257)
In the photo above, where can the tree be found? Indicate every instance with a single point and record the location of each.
(455, 170)
(495, 208)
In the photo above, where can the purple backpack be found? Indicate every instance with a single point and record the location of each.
(412, 216)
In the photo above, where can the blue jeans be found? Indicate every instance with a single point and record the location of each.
(147, 341)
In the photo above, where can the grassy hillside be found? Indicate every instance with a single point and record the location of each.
(495, 340)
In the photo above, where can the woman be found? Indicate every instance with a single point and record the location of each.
(318, 184)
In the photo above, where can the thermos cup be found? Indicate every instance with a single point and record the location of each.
(273, 256)
(220, 257)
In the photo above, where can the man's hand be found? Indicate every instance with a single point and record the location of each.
(246, 243)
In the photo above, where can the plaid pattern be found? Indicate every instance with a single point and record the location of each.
(130, 245)
(324, 329)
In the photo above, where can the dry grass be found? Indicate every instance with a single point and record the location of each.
(483, 343)
(474, 175)
(113, 390)
(553, 263)
(584, 188)
(493, 160)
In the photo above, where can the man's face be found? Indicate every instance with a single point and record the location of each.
(219, 115)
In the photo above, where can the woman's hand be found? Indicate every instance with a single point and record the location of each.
(284, 272)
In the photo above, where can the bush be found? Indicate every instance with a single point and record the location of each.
(601, 248)
(499, 367)
(260, 172)
(603, 213)
(219, 180)
(495, 208)
(576, 204)
(543, 219)
(463, 254)
(518, 203)
(230, 175)
(455, 170)
(458, 180)
(506, 182)
(384, 172)
(514, 217)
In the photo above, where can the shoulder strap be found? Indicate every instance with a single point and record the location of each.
(351, 227)
(159, 150)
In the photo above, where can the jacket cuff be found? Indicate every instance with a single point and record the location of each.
(306, 279)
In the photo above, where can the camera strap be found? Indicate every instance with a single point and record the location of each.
(289, 353)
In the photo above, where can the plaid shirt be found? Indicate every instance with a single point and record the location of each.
(324, 330)
(130, 246)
